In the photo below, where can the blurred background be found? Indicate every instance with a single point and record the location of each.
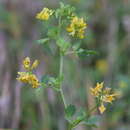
(108, 33)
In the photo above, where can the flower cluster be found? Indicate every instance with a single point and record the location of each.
(44, 14)
(28, 77)
(77, 27)
(103, 95)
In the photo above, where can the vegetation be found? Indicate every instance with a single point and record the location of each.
(80, 46)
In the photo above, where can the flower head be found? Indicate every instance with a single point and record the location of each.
(104, 95)
(23, 77)
(77, 27)
(28, 76)
(29, 79)
(44, 14)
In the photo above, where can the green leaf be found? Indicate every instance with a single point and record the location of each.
(64, 45)
(70, 111)
(53, 32)
(62, 5)
(65, 11)
(52, 82)
(92, 121)
(82, 52)
(43, 41)
(45, 80)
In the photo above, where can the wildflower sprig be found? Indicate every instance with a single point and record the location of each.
(103, 95)
(69, 23)
(67, 26)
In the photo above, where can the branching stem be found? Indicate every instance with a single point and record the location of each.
(60, 75)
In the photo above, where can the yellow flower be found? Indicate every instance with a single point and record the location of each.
(23, 77)
(44, 14)
(26, 63)
(35, 64)
(102, 108)
(96, 91)
(103, 95)
(77, 27)
(34, 81)
(36, 84)
(28, 78)
(109, 98)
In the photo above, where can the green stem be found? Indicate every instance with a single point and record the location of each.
(70, 127)
(60, 24)
(60, 75)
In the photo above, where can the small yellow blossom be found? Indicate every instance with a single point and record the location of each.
(102, 108)
(23, 77)
(35, 64)
(28, 77)
(109, 98)
(103, 95)
(77, 27)
(26, 63)
(44, 14)
(33, 81)
(95, 91)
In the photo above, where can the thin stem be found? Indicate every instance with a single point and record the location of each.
(60, 24)
(61, 74)
(61, 65)
(70, 127)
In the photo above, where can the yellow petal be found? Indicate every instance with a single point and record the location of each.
(26, 63)
(44, 14)
(102, 108)
(35, 64)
